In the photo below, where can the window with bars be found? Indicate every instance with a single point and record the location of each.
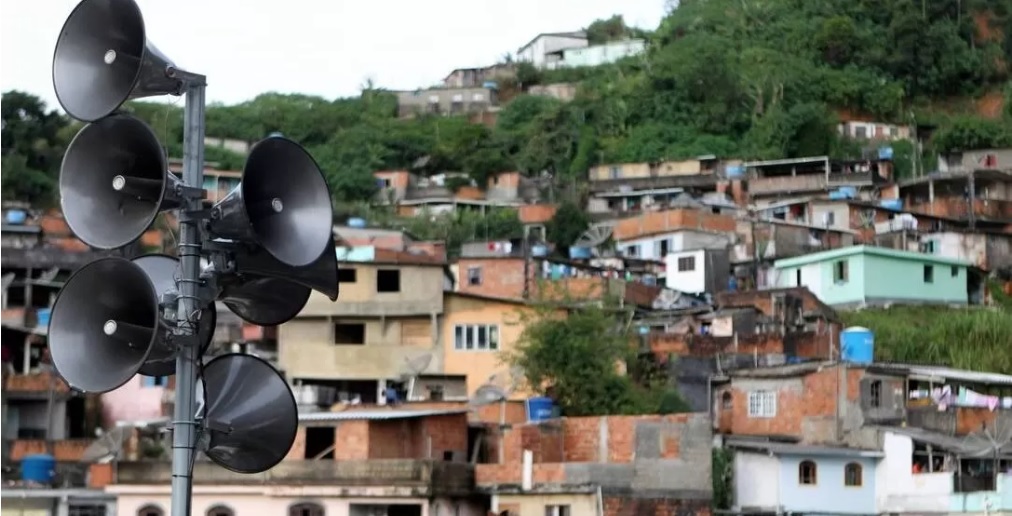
(762, 404)
(150, 510)
(87, 509)
(476, 337)
(306, 509)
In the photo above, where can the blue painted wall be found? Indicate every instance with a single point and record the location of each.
(829, 495)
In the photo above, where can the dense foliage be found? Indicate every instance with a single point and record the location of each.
(581, 358)
(736, 79)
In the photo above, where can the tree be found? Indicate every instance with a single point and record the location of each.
(567, 225)
(579, 357)
(33, 141)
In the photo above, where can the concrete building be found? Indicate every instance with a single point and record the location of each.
(774, 180)
(446, 101)
(612, 465)
(865, 275)
(595, 55)
(979, 197)
(697, 271)
(543, 50)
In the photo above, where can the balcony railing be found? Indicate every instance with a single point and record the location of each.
(430, 478)
(35, 383)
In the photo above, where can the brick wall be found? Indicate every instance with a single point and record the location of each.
(802, 344)
(806, 405)
(35, 382)
(500, 277)
(621, 506)
(654, 223)
(413, 438)
(70, 450)
(536, 213)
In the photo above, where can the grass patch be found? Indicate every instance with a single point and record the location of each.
(971, 338)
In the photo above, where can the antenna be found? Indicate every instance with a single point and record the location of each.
(107, 447)
(265, 246)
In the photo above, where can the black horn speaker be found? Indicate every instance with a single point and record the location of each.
(250, 416)
(103, 59)
(321, 275)
(114, 181)
(163, 270)
(103, 325)
(282, 204)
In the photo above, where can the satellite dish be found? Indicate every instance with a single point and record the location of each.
(114, 181)
(250, 414)
(105, 448)
(282, 204)
(103, 325)
(163, 270)
(103, 59)
(488, 394)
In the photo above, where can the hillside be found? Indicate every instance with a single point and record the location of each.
(745, 79)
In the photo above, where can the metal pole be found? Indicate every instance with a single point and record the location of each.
(184, 425)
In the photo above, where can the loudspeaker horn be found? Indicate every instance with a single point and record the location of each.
(250, 416)
(265, 301)
(162, 270)
(282, 204)
(103, 59)
(114, 181)
(103, 325)
(321, 275)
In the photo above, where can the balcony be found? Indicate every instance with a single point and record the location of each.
(703, 181)
(807, 183)
(64, 450)
(956, 421)
(957, 207)
(422, 477)
(35, 384)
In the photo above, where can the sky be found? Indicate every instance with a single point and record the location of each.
(319, 47)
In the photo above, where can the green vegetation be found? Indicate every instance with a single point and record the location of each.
(736, 79)
(977, 339)
(577, 358)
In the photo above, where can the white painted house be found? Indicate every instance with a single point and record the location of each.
(545, 48)
(656, 247)
(697, 271)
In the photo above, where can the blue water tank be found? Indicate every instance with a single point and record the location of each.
(857, 345)
(844, 192)
(540, 409)
(42, 316)
(885, 153)
(38, 468)
(735, 171)
(579, 253)
(16, 217)
(356, 222)
(492, 85)
(891, 204)
(539, 250)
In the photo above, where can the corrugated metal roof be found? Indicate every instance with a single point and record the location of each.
(802, 449)
(373, 415)
(940, 373)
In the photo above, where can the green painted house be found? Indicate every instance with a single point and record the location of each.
(868, 276)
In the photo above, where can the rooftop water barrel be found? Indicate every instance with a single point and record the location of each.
(356, 222)
(540, 408)
(885, 153)
(844, 192)
(492, 85)
(539, 250)
(733, 171)
(857, 345)
(39, 468)
(42, 316)
(579, 253)
(891, 204)
(16, 217)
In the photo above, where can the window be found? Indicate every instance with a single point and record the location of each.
(388, 280)
(852, 475)
(220, 510)
(928, 247)
(557, 510)
(476, 337)
(807, 473)
(840, 271)
(347, 275)
(478, 97)
(632, 251)
(762, 404)
(306, 509)
(615, 172)
(876, 393)
(726, 401)
(150, 510)
(345, 334)
(797, 278)
(929, 273)
(829, 219)
(662, 248)
(687, 264)
(154, 381)
(86, 509)
(954, 271)
(474, 275)
(860, 131)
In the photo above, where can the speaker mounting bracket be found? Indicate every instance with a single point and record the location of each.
(194, 215)
(191, 192)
